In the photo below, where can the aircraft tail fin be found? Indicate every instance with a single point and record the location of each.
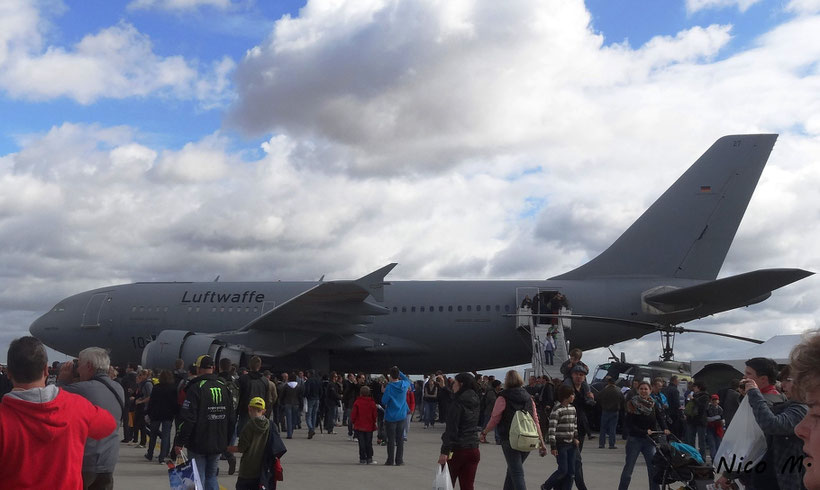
(687, 232)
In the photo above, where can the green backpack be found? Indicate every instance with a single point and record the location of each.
(523, 432)
(690, 410)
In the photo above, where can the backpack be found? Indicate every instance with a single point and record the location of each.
(690, 410)
(523, 433)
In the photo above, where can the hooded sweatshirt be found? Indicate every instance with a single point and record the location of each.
(252, 443)
(394, 399)
(47, 424)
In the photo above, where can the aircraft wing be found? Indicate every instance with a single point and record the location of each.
(728, 292)
(328, 307)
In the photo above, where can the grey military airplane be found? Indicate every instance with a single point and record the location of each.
(662, 270)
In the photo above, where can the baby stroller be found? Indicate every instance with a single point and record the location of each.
(677, 462)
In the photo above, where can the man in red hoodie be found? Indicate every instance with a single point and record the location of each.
(44, 423)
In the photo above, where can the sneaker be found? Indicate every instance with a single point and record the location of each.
(601, 447)
(613, 447)
(400, 464)
(362, 461)
(140, 446)
(355, 439)
(388, 463)
(370, 461)
(148, 456)
(349, 438)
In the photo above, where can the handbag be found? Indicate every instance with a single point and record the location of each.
(185, 476)
(743, 444)
(442, 480)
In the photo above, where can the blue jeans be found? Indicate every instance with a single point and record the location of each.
(514, 480)
(713, 441)
(609, 420)
(291, 414)
(563, 476)
(634, 446)
(699, 431)
(313, 411)
(428, 413)
(207, 465)
(165, 445)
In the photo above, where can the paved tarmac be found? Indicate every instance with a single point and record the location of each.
(331, 462)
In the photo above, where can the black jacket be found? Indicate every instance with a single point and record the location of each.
(207, 416)
(701, 399)
(163, 403)
(673, 397)
(515, 399)
(313, 388)
(638, 424)
(252, 385)
(461, 431)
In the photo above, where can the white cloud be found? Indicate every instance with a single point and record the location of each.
(116, 62)
(693, 6)
(803, 6)
(475, 141)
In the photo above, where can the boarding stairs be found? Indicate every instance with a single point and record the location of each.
(539, 335)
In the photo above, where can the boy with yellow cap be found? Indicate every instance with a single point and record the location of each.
(252, 442)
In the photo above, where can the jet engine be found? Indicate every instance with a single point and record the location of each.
(171, 345)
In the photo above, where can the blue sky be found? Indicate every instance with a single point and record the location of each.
(181, 139)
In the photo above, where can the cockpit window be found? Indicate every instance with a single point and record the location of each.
(59, 307)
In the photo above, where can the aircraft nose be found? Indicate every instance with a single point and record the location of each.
(37, 328)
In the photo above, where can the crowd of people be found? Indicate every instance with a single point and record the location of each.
(72, 411)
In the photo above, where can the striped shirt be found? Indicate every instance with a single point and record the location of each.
(563, 426)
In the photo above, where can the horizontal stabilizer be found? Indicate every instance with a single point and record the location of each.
(726, 293)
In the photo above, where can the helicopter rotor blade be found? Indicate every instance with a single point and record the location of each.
(736, 337)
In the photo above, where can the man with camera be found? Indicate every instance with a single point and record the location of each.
(88, 377)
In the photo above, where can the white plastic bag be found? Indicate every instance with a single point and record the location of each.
(442, 480)
(744, 443)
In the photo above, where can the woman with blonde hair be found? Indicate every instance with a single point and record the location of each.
(509, 401)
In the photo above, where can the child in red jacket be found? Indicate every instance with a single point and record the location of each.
(364, 416)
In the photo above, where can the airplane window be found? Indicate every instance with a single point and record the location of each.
(477, 307)
(469, 308)
(197, 309)
(221, 308)
(189, 309)
(440, 309)
(421, 309)
(449, 308)
(488, 308)
(254, 309)
(404, 309)
(497, 307)
(156, 309)
(213, 308)
(412, 309)
(142, 308)
(165, 309)
(230, 308)
(148, 309)
(432, 309)
(247, 309)
(395, 309)
(459, 308)
(507, 308)
(133, 308)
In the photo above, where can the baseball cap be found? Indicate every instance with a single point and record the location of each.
(204, 362)
(715, 397)
(579, 368)
(257, 402)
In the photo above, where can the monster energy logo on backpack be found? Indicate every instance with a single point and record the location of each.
(216, 395)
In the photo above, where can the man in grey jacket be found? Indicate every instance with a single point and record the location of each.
(91, 381)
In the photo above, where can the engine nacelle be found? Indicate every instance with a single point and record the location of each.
(171, 345)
